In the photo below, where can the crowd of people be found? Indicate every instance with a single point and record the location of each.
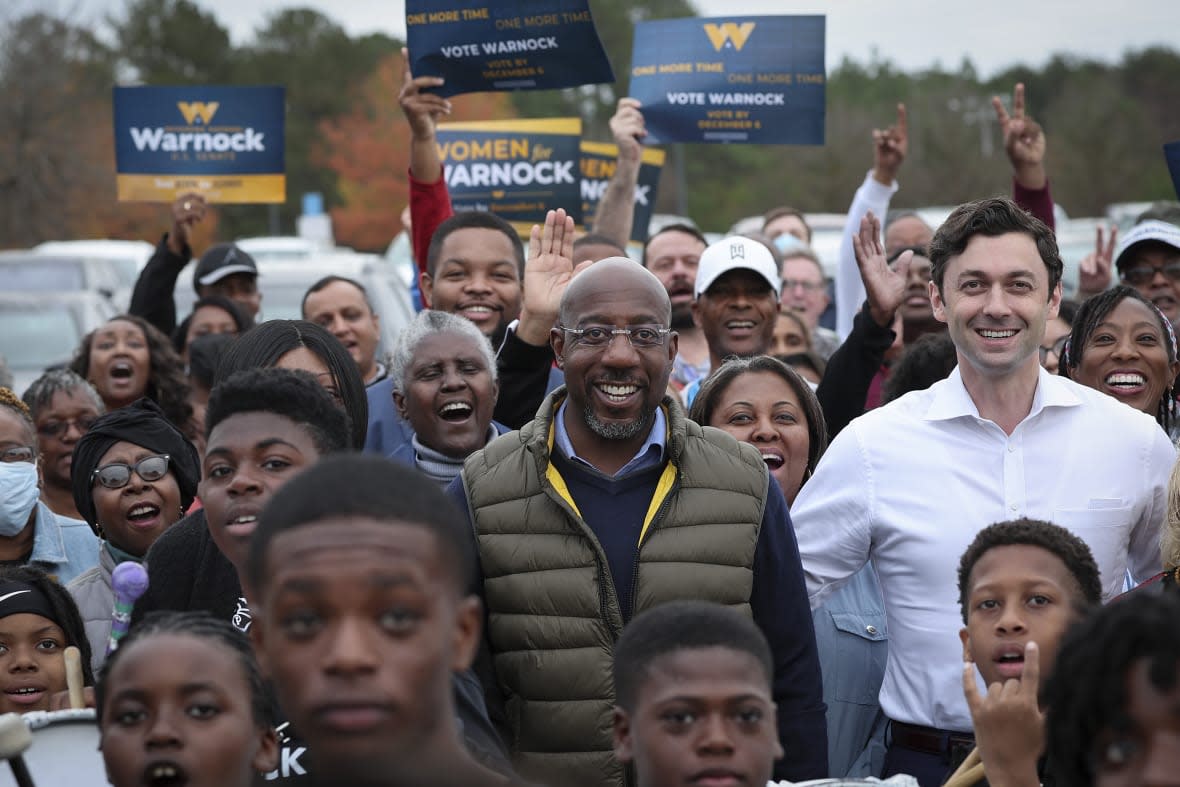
(604, 521)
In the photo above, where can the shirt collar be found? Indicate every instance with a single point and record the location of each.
(951, 400)
(650, 453)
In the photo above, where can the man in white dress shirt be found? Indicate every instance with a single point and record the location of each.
(908, 485)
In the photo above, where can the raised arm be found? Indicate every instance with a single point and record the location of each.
(430, 204)
(1024, 142)
(616, 209)
(152, 297)
(890, 146)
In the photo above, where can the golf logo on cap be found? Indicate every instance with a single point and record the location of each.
(737, 251)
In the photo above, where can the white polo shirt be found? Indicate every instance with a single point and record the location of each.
(910, 484)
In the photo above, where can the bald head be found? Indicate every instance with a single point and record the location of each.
(613, 275)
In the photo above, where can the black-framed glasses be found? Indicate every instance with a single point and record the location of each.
(599, 336)
(59, 429)
(18, 453)
(1139, 275)
(1057, 348)
(117, 475)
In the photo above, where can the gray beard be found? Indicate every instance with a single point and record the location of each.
(617, 431)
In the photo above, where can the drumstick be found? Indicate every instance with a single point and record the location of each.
(15, 739)
(967, 778)
(972, 760)
(73, 658)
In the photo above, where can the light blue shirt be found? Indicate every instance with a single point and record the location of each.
(850, 635)
(64, 547)
(650, 454)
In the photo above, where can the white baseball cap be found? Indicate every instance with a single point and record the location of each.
(1160, 231)
(736, 253)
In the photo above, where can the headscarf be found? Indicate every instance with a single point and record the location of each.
(143, 423)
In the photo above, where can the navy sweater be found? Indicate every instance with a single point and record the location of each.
(614, 508)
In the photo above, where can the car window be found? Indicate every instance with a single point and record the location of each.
(42, 276)
(33, 337)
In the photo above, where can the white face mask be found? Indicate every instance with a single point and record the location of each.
(18, 496)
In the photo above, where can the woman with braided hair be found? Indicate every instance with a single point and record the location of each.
(1124, 346)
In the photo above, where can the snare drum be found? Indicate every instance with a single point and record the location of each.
(64, 751)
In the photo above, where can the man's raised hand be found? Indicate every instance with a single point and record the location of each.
(1024, 141)
(884, 285)
(1094, 271)
(547, 273)
(890, 146)
(422, 110)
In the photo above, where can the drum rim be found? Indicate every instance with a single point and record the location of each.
(41, 719)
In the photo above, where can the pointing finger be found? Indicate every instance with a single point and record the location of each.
(1030, 678)
(970, 690)
(1018, 100)
(902, 120)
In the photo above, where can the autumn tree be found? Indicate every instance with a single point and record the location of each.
(367, 149)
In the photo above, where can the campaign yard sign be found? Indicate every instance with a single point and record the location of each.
(224, 142)
(490, 45)
(517, 169)
(752, 79)
(599, 161)
(1172, 155)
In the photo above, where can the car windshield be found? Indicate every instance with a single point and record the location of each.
(283, 300)
(41, 275)
(34, 336)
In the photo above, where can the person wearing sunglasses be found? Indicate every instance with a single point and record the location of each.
(63, 406)
(31, 533)
(134, 476)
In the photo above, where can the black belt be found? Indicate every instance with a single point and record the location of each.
(930, 740)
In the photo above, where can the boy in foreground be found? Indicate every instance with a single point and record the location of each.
(1022, 584)
(362, 615)
(692, 681)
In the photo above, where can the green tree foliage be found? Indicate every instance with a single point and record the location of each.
(174, 42)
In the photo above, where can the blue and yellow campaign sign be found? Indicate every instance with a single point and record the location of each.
(224, 142)
(599, 160)
(1172, 155)
(517, 169)
(753, 79)
(482, 45)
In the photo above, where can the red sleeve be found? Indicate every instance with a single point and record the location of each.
(1038, 202)
(430, 205)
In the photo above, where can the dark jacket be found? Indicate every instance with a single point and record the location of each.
(186, 571)
(152, 298)
(719, 513)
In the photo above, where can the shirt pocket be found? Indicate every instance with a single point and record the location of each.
(1107, 532)
(860, 653)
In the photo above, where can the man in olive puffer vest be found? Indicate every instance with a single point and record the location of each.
(611, 502)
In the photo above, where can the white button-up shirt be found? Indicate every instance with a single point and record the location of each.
(909, 485)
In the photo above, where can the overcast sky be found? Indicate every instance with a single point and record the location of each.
(913, 34)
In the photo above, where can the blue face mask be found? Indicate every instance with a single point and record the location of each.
(787, 242)
(18, 496)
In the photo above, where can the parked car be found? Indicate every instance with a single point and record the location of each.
(41, 330)
(128, 256)
(28, 271)
(283, 284)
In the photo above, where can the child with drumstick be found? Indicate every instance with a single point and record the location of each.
(1021, 585)
(182, 702)
(38, 621)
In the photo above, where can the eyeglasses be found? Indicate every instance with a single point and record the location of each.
(18, 453)
(1057, 348)
(599, 336)
(1143, 274)
(117, 475)
(59, 429)
(806, 286)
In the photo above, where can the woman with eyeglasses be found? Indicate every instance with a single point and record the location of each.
(63, 406)
(134, 476)
(30, 533)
